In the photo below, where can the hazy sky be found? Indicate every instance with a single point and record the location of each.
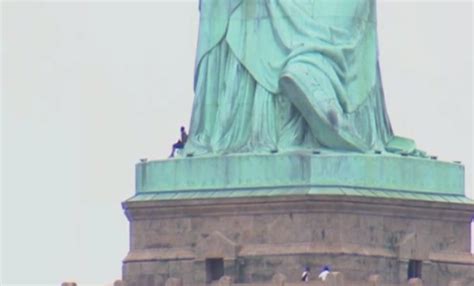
(88, 88)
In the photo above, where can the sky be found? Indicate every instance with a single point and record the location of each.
(89, 87)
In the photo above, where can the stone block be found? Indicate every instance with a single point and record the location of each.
(165, 233)
(281, 229)
(259, 269)
(231, 268)
(146, 279)
(335, 279)
(153, 268)
(415, 282)
(174, 282)
(414, 246)
(279, 280)
(199, 272)
(374, 280)
(237, 228)
(119, 283)
(216, 245)
(225, 281)
(457, 283)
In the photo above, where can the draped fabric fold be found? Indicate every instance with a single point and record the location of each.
(286, 75)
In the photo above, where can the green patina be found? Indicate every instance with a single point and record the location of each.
(299, 173)
(276, 80)
(289, 75)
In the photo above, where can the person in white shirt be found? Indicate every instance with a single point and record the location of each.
(324, 273)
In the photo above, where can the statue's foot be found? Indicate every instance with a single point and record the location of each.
(322, 117)
(401, 145)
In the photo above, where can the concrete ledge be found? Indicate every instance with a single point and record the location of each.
(380, 175)
(152, 209)
(458, 258)
(267, 249)
(153, 254)
(312, 248)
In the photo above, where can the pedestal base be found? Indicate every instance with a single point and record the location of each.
(250, 217)
(256, 238)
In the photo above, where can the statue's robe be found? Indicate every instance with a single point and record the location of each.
(288, 74)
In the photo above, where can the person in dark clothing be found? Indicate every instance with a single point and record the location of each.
(305, 274)
(181, 142)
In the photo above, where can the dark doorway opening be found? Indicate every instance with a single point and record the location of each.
(414, 269)
(214, 269)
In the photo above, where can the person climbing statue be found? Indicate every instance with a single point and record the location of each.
(181, 142)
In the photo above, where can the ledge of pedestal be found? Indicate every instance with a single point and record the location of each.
(350, 174)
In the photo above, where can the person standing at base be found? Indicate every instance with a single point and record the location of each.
(324, 273)
(181, 142)
(305, 274)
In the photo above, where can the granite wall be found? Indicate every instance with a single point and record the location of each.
(259, 237)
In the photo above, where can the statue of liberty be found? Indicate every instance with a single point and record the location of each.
(289, 75)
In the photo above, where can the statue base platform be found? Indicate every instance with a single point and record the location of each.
(391, 176)
(252, 216)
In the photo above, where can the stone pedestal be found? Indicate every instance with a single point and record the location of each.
(251, 217)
